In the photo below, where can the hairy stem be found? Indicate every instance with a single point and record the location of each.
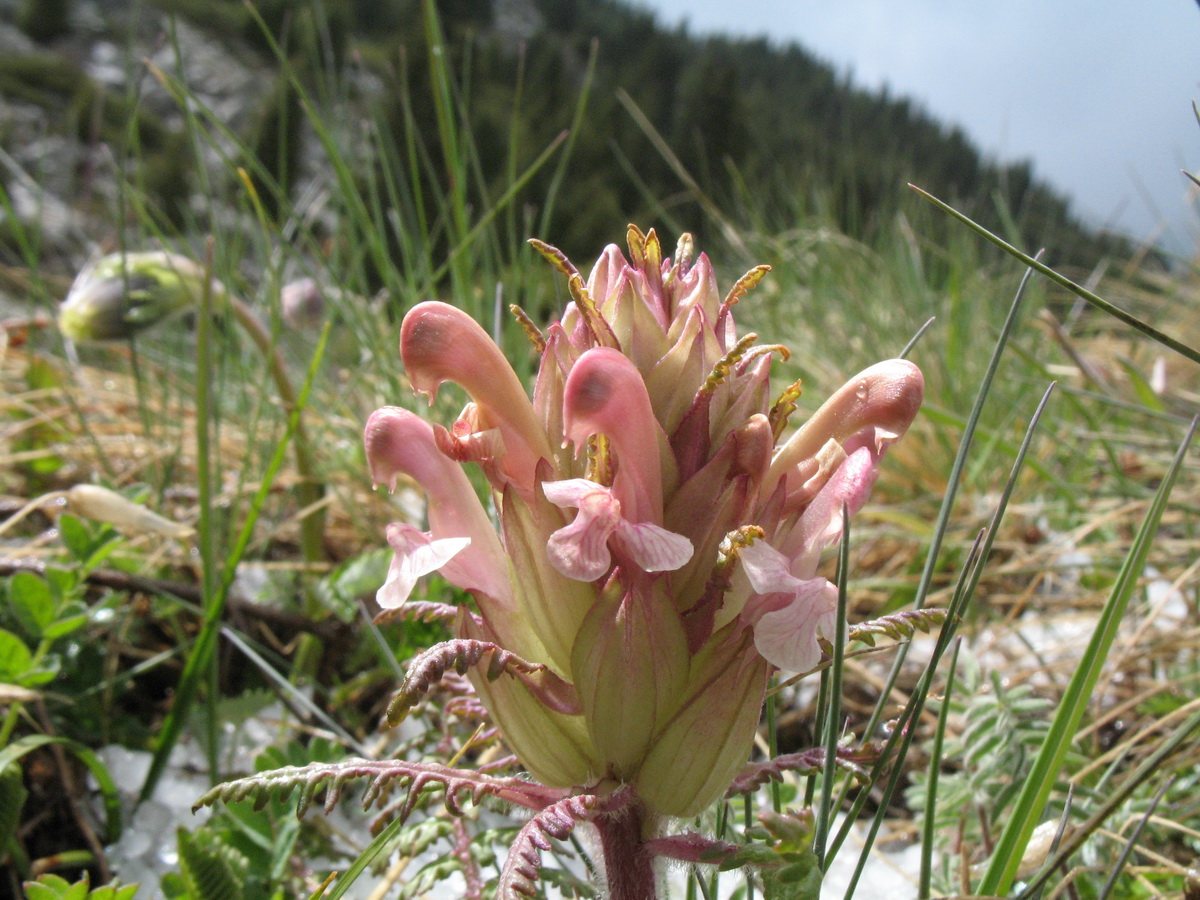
(628, 863)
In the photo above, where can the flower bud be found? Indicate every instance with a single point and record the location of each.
(102, 505)
(121, 294)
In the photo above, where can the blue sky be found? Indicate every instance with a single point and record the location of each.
(1097, 93)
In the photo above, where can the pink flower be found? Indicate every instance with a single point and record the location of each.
(789, 612)
(580, 550)
(628, 635)
(417, 553)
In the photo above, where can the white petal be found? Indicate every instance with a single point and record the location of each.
(416, 554)
(653, 548)
(787, 637)
(572, 491)
(768, 570)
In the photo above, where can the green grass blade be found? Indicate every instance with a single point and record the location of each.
(108, 788)
(964, 592)
(833, 719)
(1002, 868)
(362, 862)
(952, 485)
(1061, 280)
(770, 723)
(293, 697)
(1146, 769)
(573, 130)
(912, 342)
(1131, 844)
(896, 750)
(495, 209)
(205, 666)
(928, 826)
(711, 209)
(444, 109)
(1063, 821)
(197, 663)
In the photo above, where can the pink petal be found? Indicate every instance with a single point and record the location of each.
(580, 550)
(768, 570)
(570, 492)
(821, 523)
(398, 442)
(796, 609)
(698, 289)
(787, 637)
(653, 548)
(416, 554)
(439, 343)
(605, 272)
(885, 396)
(605, 394)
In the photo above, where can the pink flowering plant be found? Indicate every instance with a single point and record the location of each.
(647, 561)
(658, 543)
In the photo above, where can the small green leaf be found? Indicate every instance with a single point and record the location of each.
(1161, 705)
(43, 673)
(62, 581)
(15, 658)
(1141, 387)
(32, 601)
(106, 544)
(12, 799)
(113, 892)
(799, 879)
(55, 887)
(67, 623)
(108, 788)
(39, 890)
(41, 375)
(174, 887)
(75, 536)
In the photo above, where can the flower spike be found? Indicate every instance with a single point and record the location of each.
(658, 547)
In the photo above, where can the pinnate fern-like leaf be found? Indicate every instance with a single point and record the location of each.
(212, 869)
(463, 851)
(383, 776)
(805, 762)
(461, 654)
(418, 611)
(899, 626)
(519, 876)
(693, 848)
